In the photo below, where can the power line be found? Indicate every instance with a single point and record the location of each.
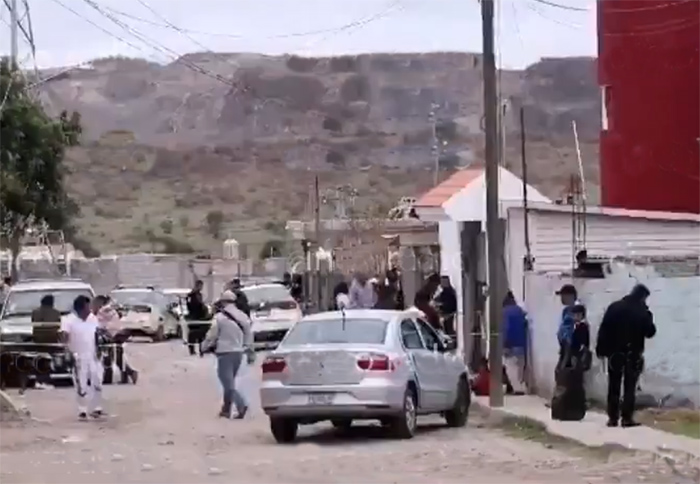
(563, 7)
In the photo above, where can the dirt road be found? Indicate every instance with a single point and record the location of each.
(166, 430)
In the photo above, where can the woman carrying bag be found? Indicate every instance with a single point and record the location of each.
(231, 339)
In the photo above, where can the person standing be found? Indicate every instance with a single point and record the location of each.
(362, 294)
(341, 300)
(515, 337)
(626, 325)
(46, 324)
(230, 337)
(197, 313)
(423, 301)
(109, 320)
(569, 298)
(241, 299)
(447, 304)
(80, 331)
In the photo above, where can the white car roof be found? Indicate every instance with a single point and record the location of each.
(264, 285)
(384, 314)
(50, 284)
(176, 290)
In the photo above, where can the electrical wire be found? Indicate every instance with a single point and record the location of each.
(550, 3)
(535, 8)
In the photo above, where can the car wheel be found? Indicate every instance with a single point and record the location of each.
(159, 335)
(284, 430)
(403, 426)
(458, 414)
(342, 424)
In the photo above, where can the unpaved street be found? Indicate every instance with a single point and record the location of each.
(166, 430)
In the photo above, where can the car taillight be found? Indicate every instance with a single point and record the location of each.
(375, 362)
(274, 364)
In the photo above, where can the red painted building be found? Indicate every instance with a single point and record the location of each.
(649, 73)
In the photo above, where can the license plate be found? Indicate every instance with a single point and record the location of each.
(262, 313)
(321, 398)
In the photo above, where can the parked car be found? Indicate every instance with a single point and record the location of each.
(144, 312)
(273, 311)
(17, 331)
(362, 364)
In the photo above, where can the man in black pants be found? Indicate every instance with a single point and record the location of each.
(197, 318)
(626, 324)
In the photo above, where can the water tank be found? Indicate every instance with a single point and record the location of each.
(649, 73)
(231, 249)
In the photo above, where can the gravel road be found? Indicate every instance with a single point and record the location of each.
(165, 429)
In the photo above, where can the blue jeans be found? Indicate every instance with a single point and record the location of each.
(227, 368)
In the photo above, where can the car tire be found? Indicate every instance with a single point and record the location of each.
(404, 426)
(342, 424)
(159, 335)
(459, 413)
(284, 430)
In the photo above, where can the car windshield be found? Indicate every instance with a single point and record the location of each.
(22, 303)
(267, 294)
(134, 298)
(335, 331)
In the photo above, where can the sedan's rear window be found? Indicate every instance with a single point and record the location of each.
(335, 331)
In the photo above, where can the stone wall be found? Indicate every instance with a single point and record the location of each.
(672, 365)
(157, 270)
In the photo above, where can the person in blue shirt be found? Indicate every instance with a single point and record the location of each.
(515, 332)
(569, 298)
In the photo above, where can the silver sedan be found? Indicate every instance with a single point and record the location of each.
(389, 366)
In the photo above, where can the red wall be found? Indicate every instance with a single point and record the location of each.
(648, 61)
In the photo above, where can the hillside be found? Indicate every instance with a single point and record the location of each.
(165, 145)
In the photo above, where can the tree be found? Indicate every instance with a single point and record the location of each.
(215, 220)
(32, 147)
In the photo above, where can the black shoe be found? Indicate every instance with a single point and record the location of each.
(82, 416)
(224, 414)
(241, 414)
(134, 376)
(630, 423)
(97, 414)
(612, 423)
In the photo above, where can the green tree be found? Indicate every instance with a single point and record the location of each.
(166, 226)
(215, 221)
(32, 147)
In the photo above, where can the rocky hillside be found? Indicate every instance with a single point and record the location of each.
(211, 120)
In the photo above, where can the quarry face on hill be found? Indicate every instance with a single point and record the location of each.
(331, 115)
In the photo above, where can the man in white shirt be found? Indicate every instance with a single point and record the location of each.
(80, 329)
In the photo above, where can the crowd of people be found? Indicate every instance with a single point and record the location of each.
(620, 342)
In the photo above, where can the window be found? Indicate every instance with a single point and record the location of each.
(22, 303)
(337, 331)
(431, 339)
(267, 294)
(410, 337)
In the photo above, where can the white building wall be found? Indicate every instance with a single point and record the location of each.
(607, 236)
(672, 366)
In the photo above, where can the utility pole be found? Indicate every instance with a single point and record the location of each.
(14, 32)
(493, 223)
(436, 143)
(317, 244)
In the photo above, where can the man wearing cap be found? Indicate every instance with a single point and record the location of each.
(569, 298)
(626, 324)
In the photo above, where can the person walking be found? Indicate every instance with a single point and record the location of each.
(231, 339)
(446, 301)
(109, 320)
(515, 331)
(626, 325)
(80, 330)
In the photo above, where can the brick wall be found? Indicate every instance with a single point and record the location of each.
(672, 361)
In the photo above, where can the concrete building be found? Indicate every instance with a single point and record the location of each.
(649, 73)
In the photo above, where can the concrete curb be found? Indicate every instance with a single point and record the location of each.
(495, 416)
(9, 410)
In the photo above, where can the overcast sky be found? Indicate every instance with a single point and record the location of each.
(527, 29)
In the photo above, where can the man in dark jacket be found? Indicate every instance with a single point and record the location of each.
(197, 312)
(625, 326)
(241, 298)
(424, 298)
(447, 304)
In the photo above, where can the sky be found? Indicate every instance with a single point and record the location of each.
(70, 32)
